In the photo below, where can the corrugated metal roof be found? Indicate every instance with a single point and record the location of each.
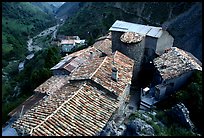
(153, 32)
(123, 26)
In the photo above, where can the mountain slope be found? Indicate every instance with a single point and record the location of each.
(95, 18)
(187, 30)
(20, 20)
(48, 7)
(67, 9)
(56, 4)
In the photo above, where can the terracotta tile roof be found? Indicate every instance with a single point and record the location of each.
(62, 63)
(86, 70)
(45, 107)
(104, 44)
(53, 84)
(81, 110)
(176, 62)
(74, 60)
(85, 114)
(100, 70)
(78, 107)
(27, 104)
(85, 52)
(107, 36)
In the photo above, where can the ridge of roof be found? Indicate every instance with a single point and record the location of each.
(57, 109)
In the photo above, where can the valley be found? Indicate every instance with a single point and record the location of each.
(35, 44)
(26, 30)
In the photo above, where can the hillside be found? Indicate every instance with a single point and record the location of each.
(48, 7)
(187, 30)
(67, 9)
(20, 20)
(102, 15)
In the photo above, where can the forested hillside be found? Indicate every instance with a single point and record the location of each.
(48, 7)
(21, 21)
(95, 18)
(68, 9)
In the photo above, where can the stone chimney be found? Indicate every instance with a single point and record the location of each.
(91, 55)
(114, 74)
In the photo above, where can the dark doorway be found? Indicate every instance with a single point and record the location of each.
(145, 75)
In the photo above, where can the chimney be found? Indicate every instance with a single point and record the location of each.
(114, 74)
(91, 55)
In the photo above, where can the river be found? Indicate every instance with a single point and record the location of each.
(32, 48)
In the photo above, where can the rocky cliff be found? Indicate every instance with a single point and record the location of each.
(187, 30)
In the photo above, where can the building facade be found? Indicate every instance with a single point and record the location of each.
(154, 42)
(173, 69)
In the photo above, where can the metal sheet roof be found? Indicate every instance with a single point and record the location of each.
(123, 26)
(61, 63)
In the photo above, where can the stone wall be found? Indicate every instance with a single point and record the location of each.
(134, 51)
(177, 82)
(122, 100)
(151, 42)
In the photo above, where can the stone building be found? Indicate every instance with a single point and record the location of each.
(67, 45)
(74, 60)
(173, 69)
(154, 42)
(81, 103)
(102, 47)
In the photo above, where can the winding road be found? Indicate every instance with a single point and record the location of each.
(32, 48)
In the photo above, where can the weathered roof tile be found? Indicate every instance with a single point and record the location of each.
(79, 119)
(52, 84)
(75, 107)
(99, 70)
(175, 62)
